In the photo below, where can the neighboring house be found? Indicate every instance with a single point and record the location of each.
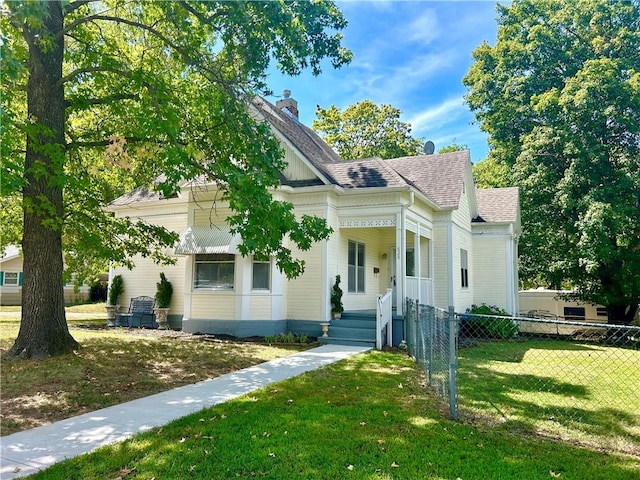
(11, 276)
(416, 225)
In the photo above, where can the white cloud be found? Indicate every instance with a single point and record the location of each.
(434, 118)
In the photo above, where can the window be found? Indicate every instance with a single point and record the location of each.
(215, 271)
(601, 311)
(356, 267)
(575, 314)
(411, 262)
(261, 275)
(464, 268)
(11, 278)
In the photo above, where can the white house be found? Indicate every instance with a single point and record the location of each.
(415, 225)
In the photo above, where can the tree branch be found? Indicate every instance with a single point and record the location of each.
(80, 71)
(101, 101)
(77, 4)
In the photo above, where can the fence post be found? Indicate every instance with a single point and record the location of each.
(453, 364)
(430, 325)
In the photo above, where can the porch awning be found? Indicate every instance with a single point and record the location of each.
(205, 239)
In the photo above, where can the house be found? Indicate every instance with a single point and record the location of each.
(415, 226)
(11, 275)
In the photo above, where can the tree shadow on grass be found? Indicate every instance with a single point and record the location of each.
(543, 404)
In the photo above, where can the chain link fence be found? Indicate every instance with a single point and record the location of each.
(577, 380)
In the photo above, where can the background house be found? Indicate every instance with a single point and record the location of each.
(414, 225)
(11, 275)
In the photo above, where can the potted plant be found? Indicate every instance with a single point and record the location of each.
(336, 299)
(164, 291)
(115, 290)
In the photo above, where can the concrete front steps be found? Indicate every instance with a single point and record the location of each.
(356, 327)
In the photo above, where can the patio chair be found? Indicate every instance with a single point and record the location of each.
(140, 314)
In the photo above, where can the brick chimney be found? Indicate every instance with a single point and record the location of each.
(288, 103)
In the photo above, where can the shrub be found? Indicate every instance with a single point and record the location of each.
(116, 289)
(336, 297)
(164, 292)
(487, 327)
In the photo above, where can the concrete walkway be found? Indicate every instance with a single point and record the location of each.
(26, 452)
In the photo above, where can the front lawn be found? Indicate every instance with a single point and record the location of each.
(112, 366)
(369, 417)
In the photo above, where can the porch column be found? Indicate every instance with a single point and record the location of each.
(417, 255)
(401, 255)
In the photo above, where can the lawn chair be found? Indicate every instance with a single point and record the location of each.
(140, 314)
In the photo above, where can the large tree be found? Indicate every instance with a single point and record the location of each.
(559, 95)
(100, 96)
(365, 130)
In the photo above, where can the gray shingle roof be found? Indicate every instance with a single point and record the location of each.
(439, 177)
(498, 204)
(367, 173)
(302, 137)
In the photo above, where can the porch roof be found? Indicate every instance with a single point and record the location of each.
(207, 239)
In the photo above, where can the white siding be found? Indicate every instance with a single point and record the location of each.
(296, 169)
(463, 297)
(490, 270)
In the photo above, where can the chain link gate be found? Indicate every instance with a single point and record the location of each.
(565, 376)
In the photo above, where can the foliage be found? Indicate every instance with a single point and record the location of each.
(164, 291)
(288, 337)
(116, 289)
(336, 297)
(487, 325)
(559, 96)
(114, 95)
(491, 174)
(365, 130)
(454, 147)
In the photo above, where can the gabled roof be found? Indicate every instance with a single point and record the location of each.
(314, 149)
(498, 204)
(440, 177)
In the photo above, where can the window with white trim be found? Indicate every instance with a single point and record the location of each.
(214, 271)
(11, 279)
(464, 268)
(355, 281)
(261, 275)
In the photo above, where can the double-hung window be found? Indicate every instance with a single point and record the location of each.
(11, 279)
(355, 283)
(261, 275)
(214, 271)
(464, 268)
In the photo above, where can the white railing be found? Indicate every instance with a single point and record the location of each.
(421, 289)
(384, 318)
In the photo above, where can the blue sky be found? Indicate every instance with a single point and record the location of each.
(409, 54)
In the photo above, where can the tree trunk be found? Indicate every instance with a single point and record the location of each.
(43, 327)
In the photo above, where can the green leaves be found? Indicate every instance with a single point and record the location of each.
(157, 93)
(366, 130)
(559, 95)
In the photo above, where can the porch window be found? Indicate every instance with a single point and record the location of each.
(215, 271)
(411, 262)
(464, 268)
(355, 283)
(261, 275)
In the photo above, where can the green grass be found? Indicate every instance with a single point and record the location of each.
(583, 393)
(369, 417)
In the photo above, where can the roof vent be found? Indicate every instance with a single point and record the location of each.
(288, 103)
